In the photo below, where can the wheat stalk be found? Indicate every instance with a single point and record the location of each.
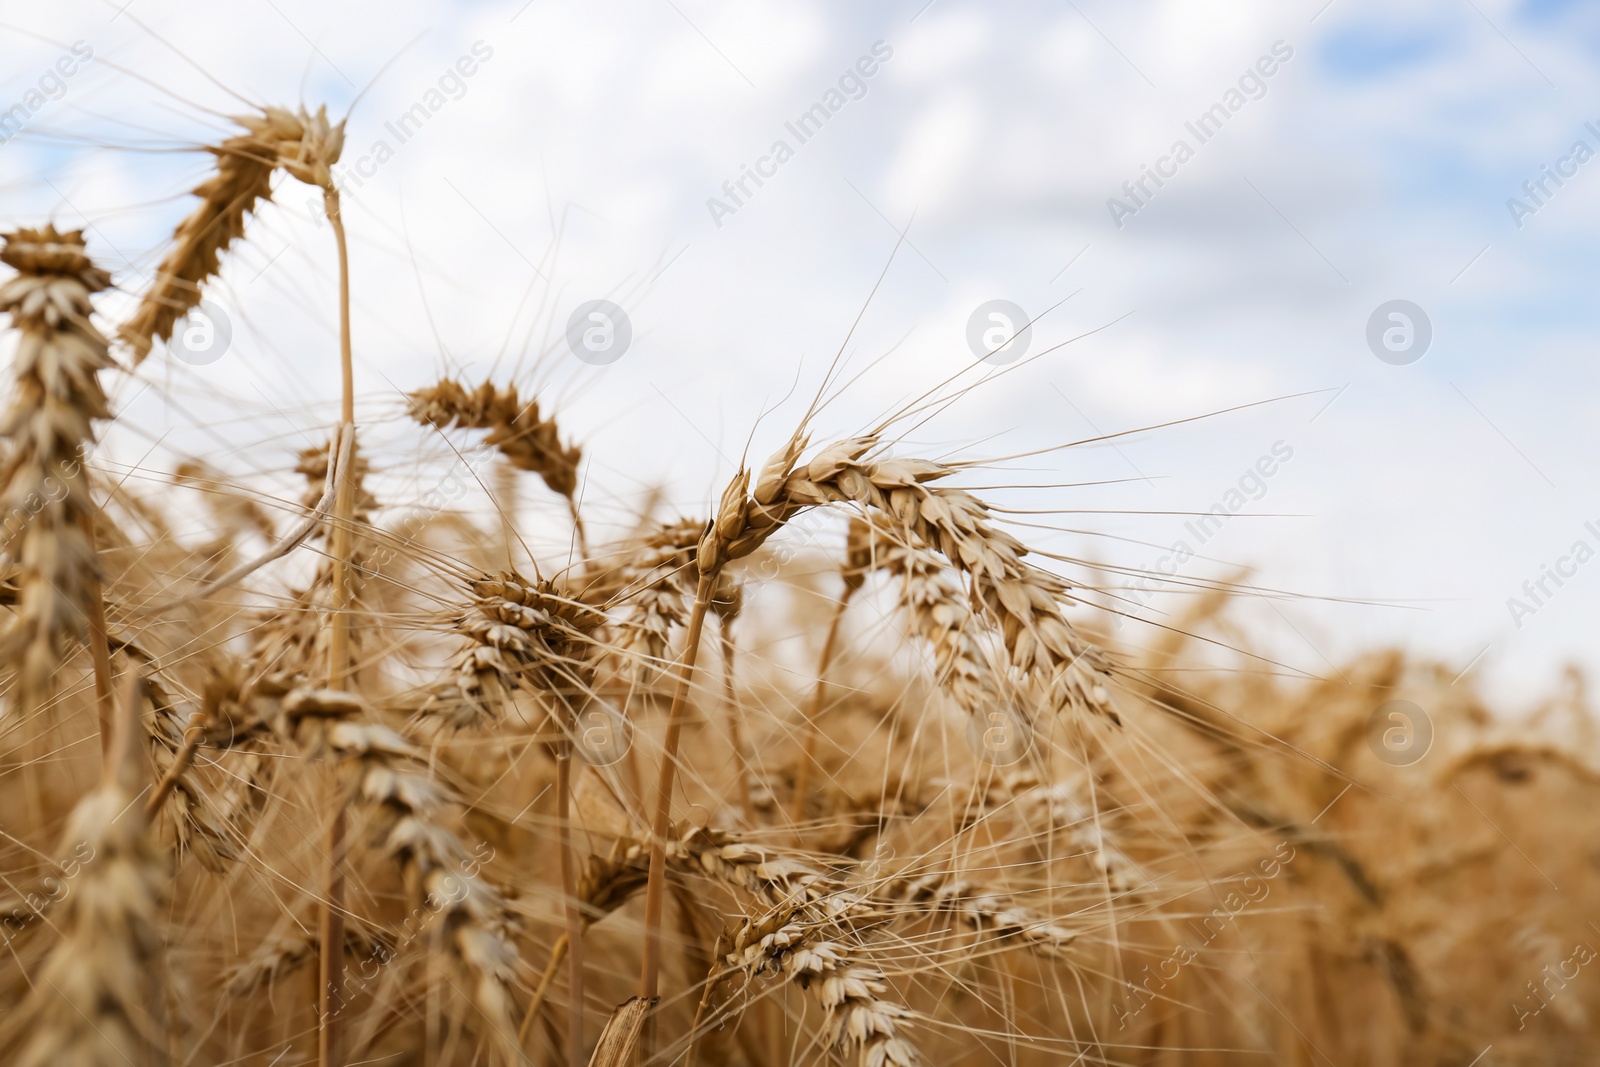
(727, 606)
(811, 728)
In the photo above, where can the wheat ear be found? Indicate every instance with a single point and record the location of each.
(50, 426)
(96, 1001)
(1024, 601)
(305, 145)
(516, 428)
(859, 1017)
(472, 921)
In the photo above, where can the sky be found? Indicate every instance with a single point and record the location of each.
(1407, 480)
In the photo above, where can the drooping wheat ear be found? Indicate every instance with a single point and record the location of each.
(937, 608)
(860, 1020)
(96, 1001)
(303, 144)
(771, 875)
(471, 924)
(49, 425)
(530, 441)
(1024, 601)
(789, 883)
(997, 915)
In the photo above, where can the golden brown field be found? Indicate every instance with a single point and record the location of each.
(836, 772)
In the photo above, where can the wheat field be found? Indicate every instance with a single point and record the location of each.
(834, 771)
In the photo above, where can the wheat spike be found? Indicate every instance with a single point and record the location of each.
(49, 426)
(530, 441)
(473, 924)
(303, 144)
(96, 1000)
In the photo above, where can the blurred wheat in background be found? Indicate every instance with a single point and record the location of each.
(308, 768)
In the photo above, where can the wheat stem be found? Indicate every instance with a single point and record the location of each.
(331, 919)
(181, 760)
(808, 746)
(650, 968)
(712, 976)
(557, 953)
(570, 903)
(735, 722)
(99, 647)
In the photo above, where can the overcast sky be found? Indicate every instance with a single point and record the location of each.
(1334, 157)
